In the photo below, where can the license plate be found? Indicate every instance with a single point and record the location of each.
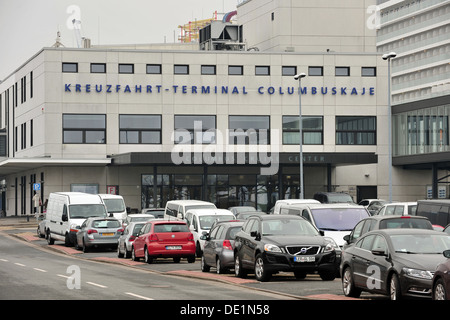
(304, 258)
(107, 234)
(173, 247)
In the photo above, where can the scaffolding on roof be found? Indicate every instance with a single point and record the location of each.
(190, 31)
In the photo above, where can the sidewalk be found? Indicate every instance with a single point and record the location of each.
(20, 221)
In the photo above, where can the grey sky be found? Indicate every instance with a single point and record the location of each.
(26, 26)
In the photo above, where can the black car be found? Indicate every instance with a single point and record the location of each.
(393, 262)
(387, 222)
(268, 244)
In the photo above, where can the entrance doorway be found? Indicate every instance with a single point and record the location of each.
(366, 192)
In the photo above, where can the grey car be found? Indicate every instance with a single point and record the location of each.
(126, 240)
(219, 246)
(98, 232)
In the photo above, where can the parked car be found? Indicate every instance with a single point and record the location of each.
(158, 213)
(137, 217)
(164, 239)
(115, 206)
(437, 211)
(200, 221)
(218, 251)
(393, 262)
(41, 225)
(375, 206)
(386, 222)
(98, 232)
(398, 208)
(287, 202)
(367, 202)
(176, 209)
(247, 214)
(238, 209)
(441, 279)
(127, 238)
(447, 229)
(333, 197)
(268, 244)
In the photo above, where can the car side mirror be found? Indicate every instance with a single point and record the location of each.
(256, 235)
(347, 238)
(378, 252)
(446, 253)
(321, 232)
(64, 217)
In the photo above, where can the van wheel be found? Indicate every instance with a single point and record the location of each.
(50, 241)
(198, 250)
(67, 242)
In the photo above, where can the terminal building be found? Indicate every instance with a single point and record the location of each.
(219, 123)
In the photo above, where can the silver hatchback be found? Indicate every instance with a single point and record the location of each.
(98, 232)
(127, 238)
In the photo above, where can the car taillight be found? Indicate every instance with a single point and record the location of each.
(153, 237)
(119, 230)
(227, 245)
(131, 238)
(91, 231)
(190, 237)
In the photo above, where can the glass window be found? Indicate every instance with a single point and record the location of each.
(235, 70)
(356, 130)
(315, 71)
(312, 130)
(98, 67)
(140, 129)
(342, 71)
(208, 69)
(153, 69)
(181, 69)
(195, 129)
(84, 128)
(249, 129)
(126, 68)
(69, 67)
(288, 70)
(369, 71)
(262, 70)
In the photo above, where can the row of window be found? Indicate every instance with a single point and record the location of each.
(13, 92)
(147, 129)
(128, 68)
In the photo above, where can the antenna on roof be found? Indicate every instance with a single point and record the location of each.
(58, 43)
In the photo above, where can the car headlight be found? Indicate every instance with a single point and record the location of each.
(330, 244)
(271, 248)
(421, 274)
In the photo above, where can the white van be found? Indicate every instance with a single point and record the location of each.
(68, 210)
(176, 209)
(115, 206)
(288, 202)
(201, 220)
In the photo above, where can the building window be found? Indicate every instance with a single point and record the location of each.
(195, 129)
(235, 70)
(126, 68)
(31, 84)
(69, 67)
(181, 69)
(288, 70)
(140, 129)
(208, 69)
(262, 71)
(312, 130)
(368, 71)
(342, 71)
(98, 67)
(249, 130)
(153, 69)
(84, 128)
(315, 71)
(356, 130)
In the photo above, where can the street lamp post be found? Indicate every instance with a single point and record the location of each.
(300, 128)
(388, 57)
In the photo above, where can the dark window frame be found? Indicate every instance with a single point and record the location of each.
(140, 130)
(83, 130)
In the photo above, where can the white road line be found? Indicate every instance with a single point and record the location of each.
(96, 284)
(63, 276)
(4, 260)
(138, 296)
(19, 264)
(37, 269)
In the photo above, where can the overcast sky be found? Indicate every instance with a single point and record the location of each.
(26, 26)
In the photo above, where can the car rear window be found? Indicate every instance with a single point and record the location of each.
(406, 223)
(106, 224)
(170, 227)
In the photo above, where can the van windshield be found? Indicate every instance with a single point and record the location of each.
(83, 211)
(338, 219)
(207, 221)
(114, 205)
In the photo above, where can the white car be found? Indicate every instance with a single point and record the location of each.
(200, 221)
(398, 208)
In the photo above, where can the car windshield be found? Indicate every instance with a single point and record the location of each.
(137, 219)
(170, 227)
(114, 205)
(207, 221)
(430, 243)
(338, 219)
(288, 227)
(83, 211)
(99, 224)
(339, 198)
(405, 223)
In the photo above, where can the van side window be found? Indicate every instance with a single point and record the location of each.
(305, 214)
(284, 211)
(172, 210)
(64, 210)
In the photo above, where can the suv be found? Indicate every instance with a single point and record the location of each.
(333, 197)
(398, 208)
(268, 244)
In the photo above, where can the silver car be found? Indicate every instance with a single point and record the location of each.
(219, 246)
(98, 232)
(126, 240)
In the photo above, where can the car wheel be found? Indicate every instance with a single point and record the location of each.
(119, 253)
(203, 265)
(439, 290)
(127, 252)
(133, 255)
(299, 275)
(348, 285)
(238, 270)
(198, 250)
(394, 288)
(177, 259)
(67, 242)
(261, 273)
(50, 241)
(191, 259)
(85, 248)
(147, 258)
(219, 268)
(328, 276)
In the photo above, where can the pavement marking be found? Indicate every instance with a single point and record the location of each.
(37, 269)
(63, 276)
(4, 260)
(19, 264)
(96, 284)
(138, 296)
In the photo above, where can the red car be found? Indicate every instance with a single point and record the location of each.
(441, 280)
(164, 239)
